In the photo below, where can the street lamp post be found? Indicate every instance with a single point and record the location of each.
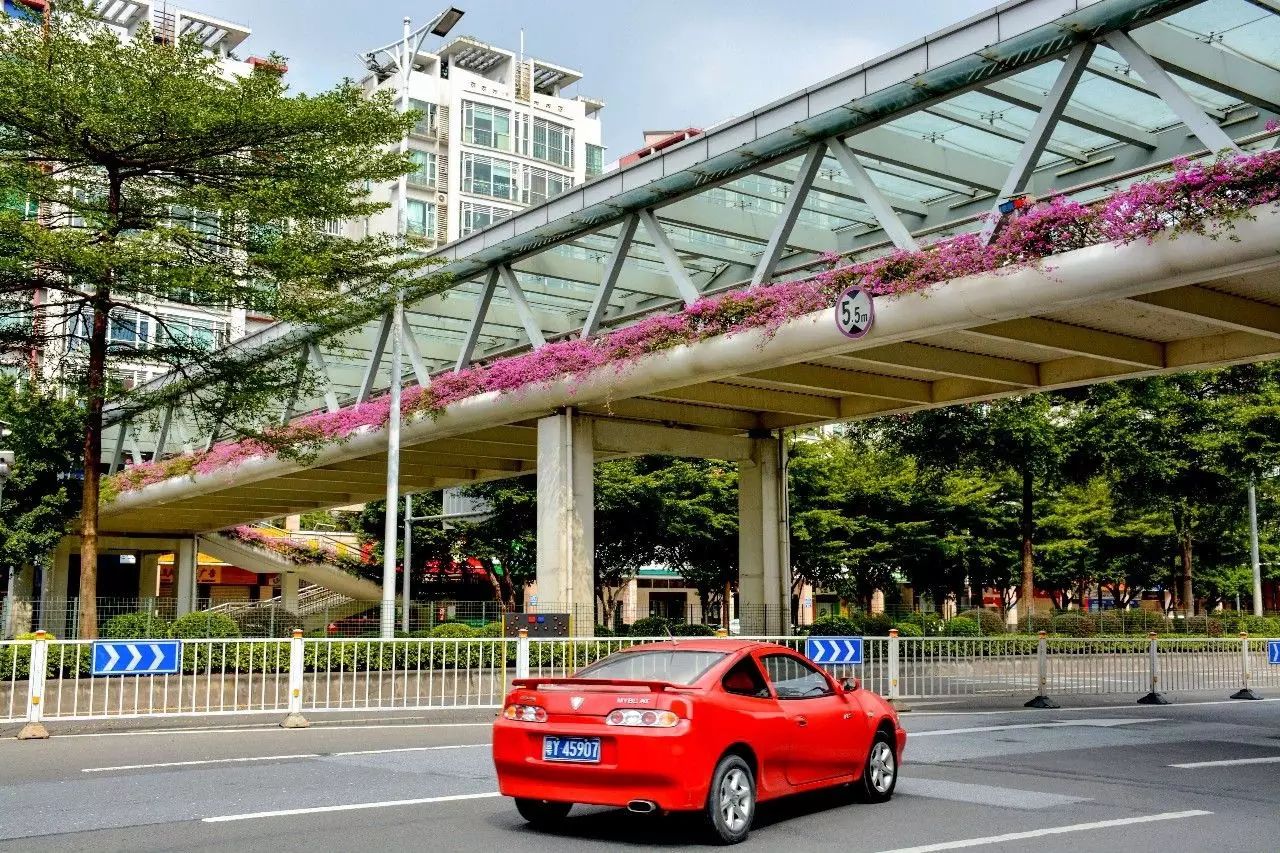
(399, 56)
(1254, 559)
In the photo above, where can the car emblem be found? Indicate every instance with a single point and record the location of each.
(576, 702)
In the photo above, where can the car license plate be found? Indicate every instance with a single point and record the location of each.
(585, 750)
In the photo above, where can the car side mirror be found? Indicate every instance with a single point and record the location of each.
(848, 685)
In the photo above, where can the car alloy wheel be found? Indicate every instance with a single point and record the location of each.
(731, 800)
(883, 767)
(880, 775)
(736, 799)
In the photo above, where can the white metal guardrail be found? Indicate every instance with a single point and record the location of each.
(47, 679)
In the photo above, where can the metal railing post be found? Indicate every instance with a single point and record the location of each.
(522, 653)
(1154, 696)
(1245, 692)
(295, 720)
(1042, 699)
(38, 665)
(895, 694)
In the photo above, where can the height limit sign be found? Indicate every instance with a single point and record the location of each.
(855, 312)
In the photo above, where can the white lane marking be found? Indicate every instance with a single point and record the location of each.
(1230, 762)
(1091, 709)
(294, 732)
(408, 749)
(1053, 830)
(1104, 723)
(195, 763)
(349, 807)
(987, 795)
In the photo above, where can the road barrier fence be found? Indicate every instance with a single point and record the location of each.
(53, 680)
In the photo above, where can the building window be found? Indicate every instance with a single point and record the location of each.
(486, 125)
(194, 332)
(595, 160)
(426, 125)
(540, 185)
(129, 331)
(420, 218)
(488, 176)
(424, 173)
(478, 216)
(553, 142)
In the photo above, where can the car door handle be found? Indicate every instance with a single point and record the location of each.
(801, 721)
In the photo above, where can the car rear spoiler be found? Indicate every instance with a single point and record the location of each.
(652, 686)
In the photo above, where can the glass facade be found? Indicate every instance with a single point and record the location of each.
(424, 175)
(540, 185)
(489, 176)
(426, 125)
(595, 160)
(486, 125)
(420, 218)
(478, 216)
(553, 142)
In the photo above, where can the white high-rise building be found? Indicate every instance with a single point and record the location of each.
(215, 325)
(497, 134)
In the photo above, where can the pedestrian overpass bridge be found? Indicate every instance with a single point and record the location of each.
(1046, 97)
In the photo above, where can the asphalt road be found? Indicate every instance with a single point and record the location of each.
(1103, 778)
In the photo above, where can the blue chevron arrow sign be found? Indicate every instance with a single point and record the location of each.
(1273, 651)
(137, 657)
(845, 650)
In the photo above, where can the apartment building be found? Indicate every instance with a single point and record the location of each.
(497, 134)
(174, 315)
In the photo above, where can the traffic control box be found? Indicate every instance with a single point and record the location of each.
(537, 624)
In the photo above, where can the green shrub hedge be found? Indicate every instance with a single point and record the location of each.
(650, 626)
(836, 626)
(962, 626)
(990, 621)
(136, 626)
(205, 626)
(1075, 625)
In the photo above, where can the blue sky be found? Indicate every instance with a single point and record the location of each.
(656, 63)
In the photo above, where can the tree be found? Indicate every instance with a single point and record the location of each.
(1021, 435)
(1169, 445)
(697, 529)
(40, 498)
(156, 176)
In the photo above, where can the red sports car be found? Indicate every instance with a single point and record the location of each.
(710, 725)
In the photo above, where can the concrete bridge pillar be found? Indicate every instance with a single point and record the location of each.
(184, 572)
(55, 598)
(22, 587)
(289, 591)
(566, 519)
(148, 575)
(764, 564)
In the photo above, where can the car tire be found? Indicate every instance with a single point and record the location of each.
(542, 814)
(731, 800)
(880, 773)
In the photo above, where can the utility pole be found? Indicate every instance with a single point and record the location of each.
(1254, 559)
(399, 55)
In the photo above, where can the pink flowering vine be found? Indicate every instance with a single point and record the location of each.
(1203, 198)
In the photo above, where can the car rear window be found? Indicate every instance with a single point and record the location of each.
(677, 667)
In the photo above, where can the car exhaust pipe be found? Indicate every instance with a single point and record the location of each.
(642, 806)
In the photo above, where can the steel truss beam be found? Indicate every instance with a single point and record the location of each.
(688, 292)
(790, 212)
(477, 322)
(881, 209)
(612, 269)
(1174, 96)
(1041, 129)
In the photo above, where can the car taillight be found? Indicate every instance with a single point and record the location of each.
(525, 713)
(650, 719)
